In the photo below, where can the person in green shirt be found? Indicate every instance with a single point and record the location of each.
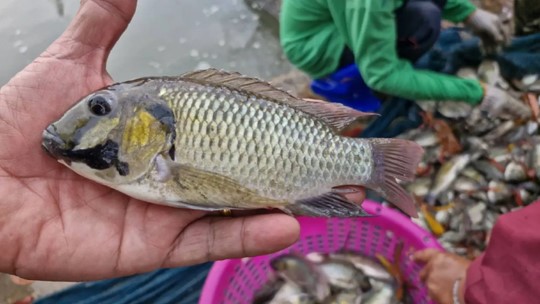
(384, 38)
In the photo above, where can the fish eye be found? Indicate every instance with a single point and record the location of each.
(99, 106)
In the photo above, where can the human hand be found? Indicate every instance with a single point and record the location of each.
(57, 225)
(440, 272)
(489, 27)
(497, 102)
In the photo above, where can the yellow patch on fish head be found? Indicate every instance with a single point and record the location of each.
(138, 131)
(143, 137)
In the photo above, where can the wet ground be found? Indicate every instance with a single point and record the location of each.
(168, 38)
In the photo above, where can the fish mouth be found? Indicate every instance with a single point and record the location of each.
(52, 143)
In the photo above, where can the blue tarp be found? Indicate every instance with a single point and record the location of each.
(183, 285)
(164, 286)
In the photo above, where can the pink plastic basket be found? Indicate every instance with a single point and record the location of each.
(236, 281)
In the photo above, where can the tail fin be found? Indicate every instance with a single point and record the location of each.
(395, 159)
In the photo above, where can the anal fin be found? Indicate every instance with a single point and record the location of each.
(329, 204)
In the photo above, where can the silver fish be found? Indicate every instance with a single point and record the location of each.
(475, 175)
(535, 158)
(465, 184)
(514, 172)
(455, 110)
(447, 174)
(268, 291)
(383, 294)
(476, 144)
(452, 236)
(426, 139)
(489, 72)
(295, 269)
(214, 140)
(498, 192)
(476, 215)
(289, 293)
(369, 267)
(344, 275)
(500, 131)
(346, 297)
(488, 169)
(443, 217)
(499, 154)
(420, 187)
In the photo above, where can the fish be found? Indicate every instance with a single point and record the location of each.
(369, 267)
(347, 297)
(455, 110)
(515, 172)
(489, 72)
(488, 169)
(466, 184)
(215, 140)
(534, 159)
(291, 294)
(383, 294)
(354, 278)
(426, 139)
(498, 192)
(268, 291)
(447, 174)
(296, 269)
(501, 130)
(343, 275)
(420, 187)
(504, 175)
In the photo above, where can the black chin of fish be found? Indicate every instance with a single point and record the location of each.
(52, 143)
(100, 157)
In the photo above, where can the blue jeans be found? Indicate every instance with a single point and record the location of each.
(418, 24)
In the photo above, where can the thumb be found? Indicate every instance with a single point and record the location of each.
(425, 255)
(96, 28)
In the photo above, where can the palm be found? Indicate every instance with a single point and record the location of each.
(62, 226)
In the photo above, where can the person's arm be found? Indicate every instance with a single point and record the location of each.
(458, 10)
(371, 32)
(309, 37)
(507, 272)
(509, 269)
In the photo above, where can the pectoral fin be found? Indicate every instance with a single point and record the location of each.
(208, 190)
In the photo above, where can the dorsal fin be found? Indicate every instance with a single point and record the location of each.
(241, 82)
(336, 115)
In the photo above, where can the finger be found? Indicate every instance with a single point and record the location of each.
(424, 273)
(425, 255)
(210, 239)
(240, 213)
(498, 32)
(99, 24)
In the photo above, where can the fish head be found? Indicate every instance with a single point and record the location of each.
(112, 135)
(286, 263)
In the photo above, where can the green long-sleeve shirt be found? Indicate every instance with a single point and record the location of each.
(314, 33)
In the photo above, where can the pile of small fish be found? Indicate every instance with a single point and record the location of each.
(475, 167)
(344, 277)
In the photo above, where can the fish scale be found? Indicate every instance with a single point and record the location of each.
(222, 122)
